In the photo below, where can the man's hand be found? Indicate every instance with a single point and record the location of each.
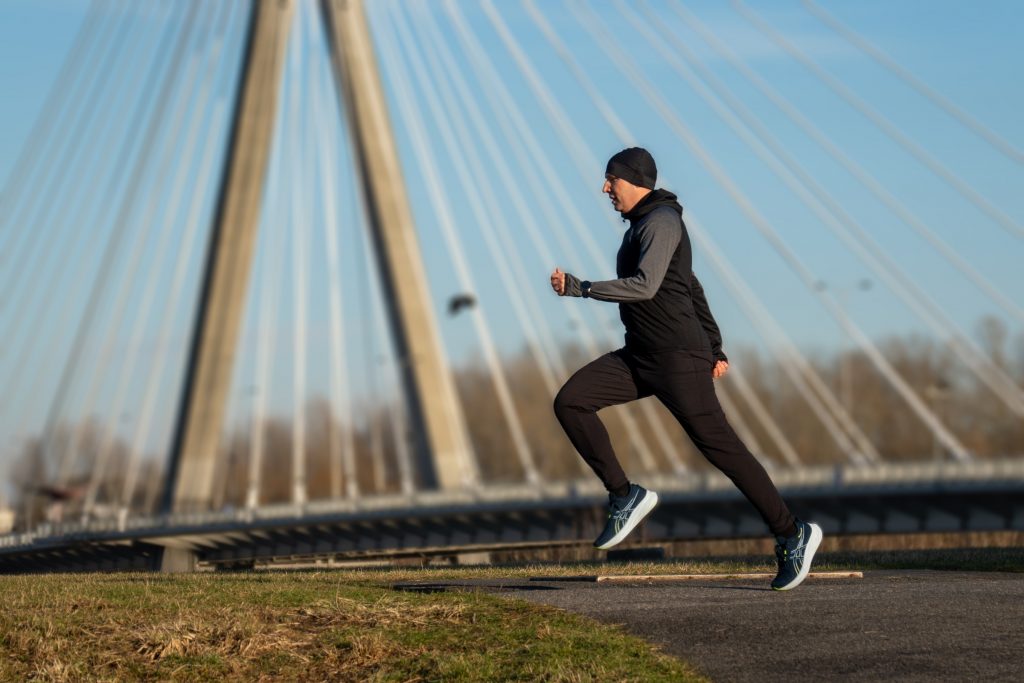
(558, 282)
(721, 367)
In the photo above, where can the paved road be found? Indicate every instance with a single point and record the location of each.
(890, 625)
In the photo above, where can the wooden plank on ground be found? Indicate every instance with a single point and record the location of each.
(625, 578)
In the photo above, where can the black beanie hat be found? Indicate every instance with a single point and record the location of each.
(634, 165)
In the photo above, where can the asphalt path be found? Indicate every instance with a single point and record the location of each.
(889, 625)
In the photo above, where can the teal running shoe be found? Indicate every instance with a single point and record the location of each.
(795, 554)
(624, 514)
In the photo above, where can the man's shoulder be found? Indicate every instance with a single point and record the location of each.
(662, 218)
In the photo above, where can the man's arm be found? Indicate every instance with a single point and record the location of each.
(658, 241)
(707, 321)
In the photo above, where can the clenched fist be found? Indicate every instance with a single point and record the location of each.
(558, 282)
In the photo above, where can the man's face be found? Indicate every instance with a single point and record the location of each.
(624, 194)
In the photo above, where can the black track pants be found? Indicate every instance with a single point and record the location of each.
(683, 383)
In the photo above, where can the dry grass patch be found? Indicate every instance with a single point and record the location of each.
(298, 626)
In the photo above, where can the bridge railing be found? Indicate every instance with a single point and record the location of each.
(922, 476)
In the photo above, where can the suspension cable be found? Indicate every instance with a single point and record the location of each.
(794, 369)
(607, 112)
(471, 173)
(924, 413)
(865, 450)
(274, 224)
(980, 129)
(887, 127)
(821, 400)
(761, 414)
(215, 133)
(578, 149)
(505, 108)
(342, 446)
(866, 179)
(71, 121)
(393, 409)
(377, 335)
(537, 241)
(139, 239)
(187, 90)
(297, 177)
(63, 170)
(161, 87)
(832, 214)
(153, 381)
(33, 312)
(440, 201)
(273, 227)
(55, 106)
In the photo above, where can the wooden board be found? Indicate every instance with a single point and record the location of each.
(623, 578)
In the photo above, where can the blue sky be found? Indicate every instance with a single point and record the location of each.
(979, 75)
(971, 54)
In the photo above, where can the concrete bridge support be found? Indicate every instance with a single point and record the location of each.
(441, 441)
(228, 262)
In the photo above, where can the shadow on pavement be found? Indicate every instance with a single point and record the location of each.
(469, 587)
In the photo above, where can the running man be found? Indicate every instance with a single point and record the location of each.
(673, 351)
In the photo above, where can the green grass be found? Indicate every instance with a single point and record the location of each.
(305, 626)
(349, 625)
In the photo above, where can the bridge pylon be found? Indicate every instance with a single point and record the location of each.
(438, 427)
(203, 401)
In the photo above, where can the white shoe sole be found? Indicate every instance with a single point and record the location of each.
(642, 510)
(812, 547)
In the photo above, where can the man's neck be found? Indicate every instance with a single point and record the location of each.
(638, 202)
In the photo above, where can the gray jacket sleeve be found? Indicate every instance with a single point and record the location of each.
(658, 241)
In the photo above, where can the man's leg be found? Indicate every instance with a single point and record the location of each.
(604, 382)
(685, 386)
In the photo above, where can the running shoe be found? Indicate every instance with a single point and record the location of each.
(795, 555)
(624, 514)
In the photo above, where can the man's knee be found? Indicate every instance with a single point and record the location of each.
(566, 402)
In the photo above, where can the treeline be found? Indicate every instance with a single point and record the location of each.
(969, 409)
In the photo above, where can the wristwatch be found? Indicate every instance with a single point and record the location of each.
(585, 289)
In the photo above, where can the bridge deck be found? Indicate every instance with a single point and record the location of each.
(891, 498)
